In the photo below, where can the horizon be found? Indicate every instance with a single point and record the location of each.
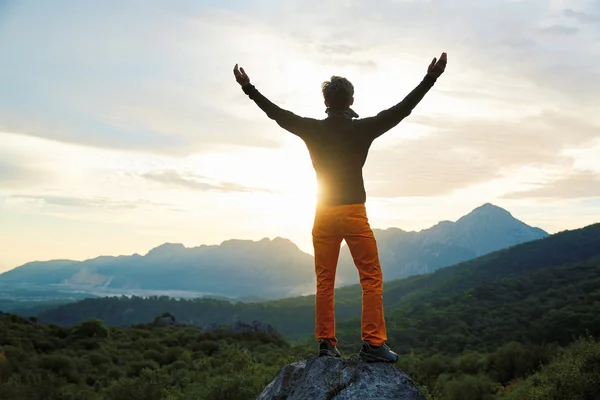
(115, 141)
(308, 250)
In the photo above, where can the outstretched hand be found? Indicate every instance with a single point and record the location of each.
(240, 76)
(437, 67)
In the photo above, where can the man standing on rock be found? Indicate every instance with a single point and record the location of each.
(338, 147)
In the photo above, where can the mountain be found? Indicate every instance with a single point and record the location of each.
(485, 229)
(244, 269)
(490, 327)
(534, 284)
(235, 268)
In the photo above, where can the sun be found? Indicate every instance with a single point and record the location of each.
(292, 189)
(279, 184)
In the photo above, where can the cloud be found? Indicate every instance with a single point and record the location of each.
(85, 202)
(153, 82)
(156, 81)
(583, 17)
(425, 168)
(461, 153)
(193, 181)
(560, 30)
(15, 175)
(94, 132)
(576, 185)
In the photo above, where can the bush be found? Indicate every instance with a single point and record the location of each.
(574, 375)
(151, 385)
(97, 359)
(92, 328)
(467, 387)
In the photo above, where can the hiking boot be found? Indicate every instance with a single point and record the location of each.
(378, 354)
(327, 349)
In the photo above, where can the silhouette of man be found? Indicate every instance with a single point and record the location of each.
(338, 147)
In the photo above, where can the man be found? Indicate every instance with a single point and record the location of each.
(338, 147)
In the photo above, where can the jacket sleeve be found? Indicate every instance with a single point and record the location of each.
(289, 121)
(387, 119)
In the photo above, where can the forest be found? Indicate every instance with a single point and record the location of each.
(158, 361)
(521, 323)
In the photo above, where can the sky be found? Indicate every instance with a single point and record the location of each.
(122, 126)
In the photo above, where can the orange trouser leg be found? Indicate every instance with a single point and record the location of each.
(360, 239)
(327, 240)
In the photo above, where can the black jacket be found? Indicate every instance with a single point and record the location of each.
(339, 144)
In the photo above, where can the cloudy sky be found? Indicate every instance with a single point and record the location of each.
(122, 127)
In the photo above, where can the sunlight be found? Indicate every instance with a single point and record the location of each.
(282, 181)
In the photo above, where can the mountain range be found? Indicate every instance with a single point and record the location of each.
(276, 268)
(539, 291)
(486, 229)
(521, 321)
(235, 268)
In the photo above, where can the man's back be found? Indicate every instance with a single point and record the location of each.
(338, 150)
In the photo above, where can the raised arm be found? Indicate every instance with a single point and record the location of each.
(387, 119)
(286, 119)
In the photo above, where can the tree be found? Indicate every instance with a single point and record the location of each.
(92, 328)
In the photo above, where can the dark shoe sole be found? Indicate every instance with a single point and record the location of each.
(371, 358)
(328, 353)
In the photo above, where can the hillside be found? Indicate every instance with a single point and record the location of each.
(294, 317)
(484, 230)
(513, 342)
(551, 305)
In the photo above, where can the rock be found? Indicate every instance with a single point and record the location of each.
(327, 378)
(211, 327)
(242, 327)
(165, 319)
(255, 326)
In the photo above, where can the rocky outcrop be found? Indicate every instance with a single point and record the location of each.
(327, 378)
(165, 319)
(255, 326)
(243, 327)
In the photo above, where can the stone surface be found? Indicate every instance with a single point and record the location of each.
(327, 378)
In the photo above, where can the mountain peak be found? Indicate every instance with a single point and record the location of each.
(488, 213)
(166, 249)
(489, 208)
(278, 242)
(284, 243)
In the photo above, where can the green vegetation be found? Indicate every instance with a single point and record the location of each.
(546, 306)
(514, 371)
(516, 324)
(575, 374)
(165, 362)
(151, 361)
(31, 308)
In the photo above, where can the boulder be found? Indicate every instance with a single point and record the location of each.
(328, 378)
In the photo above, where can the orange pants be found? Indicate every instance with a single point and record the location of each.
(333, 224)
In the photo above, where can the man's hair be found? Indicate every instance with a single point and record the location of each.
(337, 92)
